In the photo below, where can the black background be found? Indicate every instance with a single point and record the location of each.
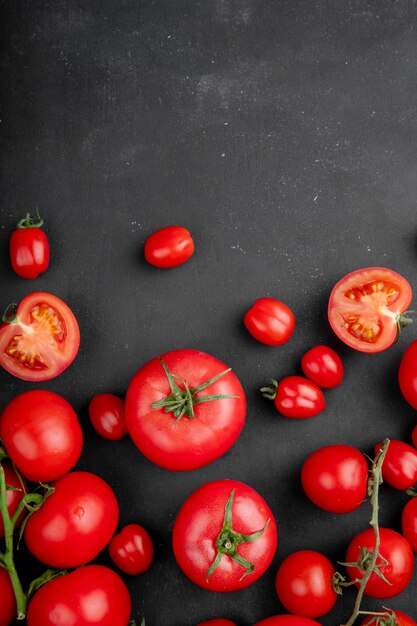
(283, 135)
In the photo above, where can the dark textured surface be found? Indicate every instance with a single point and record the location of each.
(283, 135)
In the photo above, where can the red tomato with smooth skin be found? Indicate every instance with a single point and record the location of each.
(217, 622)
(407, 374)
(29, 248)
(323, 366)
(93, 595)
(296, 397)
(13, 496)
(107, 415)
(409, 522)
(8, 609)
(131, 549)
(303, 584)
(366, 308)
(42, 435)
(335, 478)
(270, 321)
(169, 247)
(401, 619)
(39, 338)
(74, 523)
(395, 550)
(400, 464)
(287, 620)
(224, 536)
(206, 409)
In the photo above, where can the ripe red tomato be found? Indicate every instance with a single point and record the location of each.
(90, 596)
(107, 415)
(394, 549)
(366, 308)
(74, 523)
(132, 550)
(401, 619)
(295, 396)
(13, 496)
(225, 536)
(39, 338)
(41, 434)
(187, 415)
(8, 607)
(407, 374)
(335, 478)
(409, 522)
(270, 321)
(287, 620)
(169, 247)
(323, 366)
(217, 622)
(303, 584)
(29, 248)
(400, 464)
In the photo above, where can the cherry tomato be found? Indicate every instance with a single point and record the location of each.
(295, 396)
(184, 409)
(225, 536)
(39, 338)
(8, 609)
(74, 523)
(169, 247)
(323, 366)
(401, 619)
(29, 248)
(407, 374)
(41, 434)
(335, 478)
(90, 596)
(409, 522)
(217, 622)
(270, 321)
(400, 464)
(366, 308)
(107, 415)
(395, 550)
(13, 496)
(132, 550)
(287, 620)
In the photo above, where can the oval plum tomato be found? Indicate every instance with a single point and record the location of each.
(401, 619)
(323, 366)
(409, 522)
(132, 550)
(225, 536)
(217, 622)
(394, 550)
(335, 478)
(295, 396)
(41, 434)
(270, 321)
(407, 374)
(287, 620)
(107, 415)
(400, 464)
(29, 248)
(169, 247)
(39, 338)
(184, 409)
(14, 495)
(304, 584)
(74, 523)
(8, 608)
(366, 308)
(93, 595)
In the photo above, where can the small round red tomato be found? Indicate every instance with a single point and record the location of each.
(323, 366)
(184, 409)
(409, 523)
(224, 536)
(169, 247)
(132, 550)
(39, 338)
(107, 415)
(29, 248)
(366, 308)
(401, 619)
(395, 550)
(407, 374)
(89, 596)
(8, 609)
(335, 478)
(295, 396)
(13, 496)
(400, 464)
(270, 321)
(42, 435)
(287, 620)
(217, 622)
(74, 523)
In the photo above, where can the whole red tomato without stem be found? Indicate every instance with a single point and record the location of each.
(401, 619)
(287, 620)
(323, 366)
(295, 396)
(14, 495)
(8, 608)
(270, 321)
(400, 464)
(407, 374)
(107, 415)
(169, 247)
(409, 522)
(131, 549)
(29, 248)
(217, 622)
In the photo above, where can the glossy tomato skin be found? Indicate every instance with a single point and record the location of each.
(287, 620)
(13, 496)
(299, 398)
(365, 307)
(8, 609)
(409, 522)
(132, 549)
(401, 619)
(199, 523)
(323, 366)
(89, 596)
(394, 549)
(42, 435)
(41, 340)
(400, 464)
(335, 478)
(270, 321)
(169, 247)
(107, 415)
(188, 443)
(29, 252)
(217, 622)
(74, 523)
(407, 374)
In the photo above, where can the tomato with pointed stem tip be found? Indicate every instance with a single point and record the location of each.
(14, 495)
(400, 464)
(323, 366)
(287, 620)
(8, 608)
(409, 522)
(295, 396)
(169, 247)
(217, 622)
(107, 415)
(367, 308)
(391, 618)
(407, 374)
(131, 549)
(29, 248)
(270, 321)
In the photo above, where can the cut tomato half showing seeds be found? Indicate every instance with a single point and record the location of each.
(39, 337)
(367, 308)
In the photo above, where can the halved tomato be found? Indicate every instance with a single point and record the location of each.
(39, 338)
(367, 308)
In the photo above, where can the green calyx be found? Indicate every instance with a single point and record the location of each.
(30, 222)
(270, 392)
(385, 618)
